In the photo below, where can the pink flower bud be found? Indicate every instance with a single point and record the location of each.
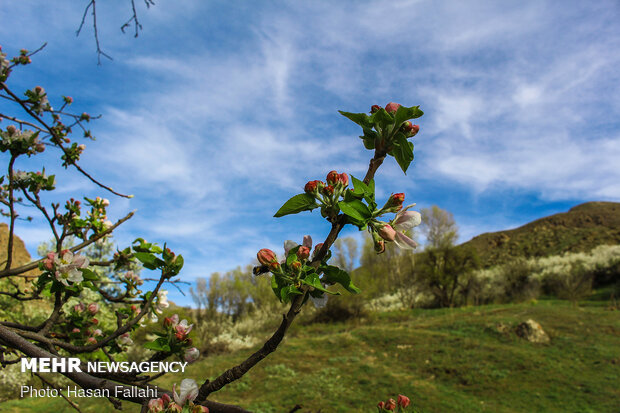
(332, 178)
(191, 354)
(296, 265)
(93, 308)
(166, 399)
(390, 405)
(397, 200)
(68, 100)
(75, 330)
(91, 340)
(156, 406)
(381, 405)
(375, 108)
(344, 179)
(78, 308)
(303, 253)
(316, 249)
(97, 333)
(174, 408)
(171, 321)
(392, 107)
(94, 321)
(311, 186)
(403, 401)
(266, 256)
(387, 233)
(274, 266)
(328, 190)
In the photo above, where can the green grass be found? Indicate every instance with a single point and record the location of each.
(449, 360)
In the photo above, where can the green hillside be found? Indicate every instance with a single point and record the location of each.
(581, 229)
(458, 360)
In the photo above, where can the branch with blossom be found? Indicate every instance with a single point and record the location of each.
(302, 274)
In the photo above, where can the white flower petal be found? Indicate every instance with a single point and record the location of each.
(404, 242)
(407, 220)
(307, 242)
(189, 390)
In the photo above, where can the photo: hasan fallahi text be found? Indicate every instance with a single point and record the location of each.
(76, 391)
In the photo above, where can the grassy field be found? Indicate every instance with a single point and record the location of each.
(452, 360)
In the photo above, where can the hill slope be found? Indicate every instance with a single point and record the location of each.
(581, 229)
(456, 360)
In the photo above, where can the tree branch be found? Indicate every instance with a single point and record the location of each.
(271, 345)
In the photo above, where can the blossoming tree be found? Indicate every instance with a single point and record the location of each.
(71, 328)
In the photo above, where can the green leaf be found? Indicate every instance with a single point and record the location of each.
(152, 345)
(313, 281)
(286, 292)
(404, 113)
(381, 118)
(366, 191)
(292, 255)
(361, 119)
(277, 283)
(89, 274)
(355, 209)
(298, 203)
(360, 188)
(369, 143)
(148, 260)
(335, 275)
(403, 151)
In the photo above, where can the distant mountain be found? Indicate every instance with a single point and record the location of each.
(581, 229)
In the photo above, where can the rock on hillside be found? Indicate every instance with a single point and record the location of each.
(20, 253)
(581, 229)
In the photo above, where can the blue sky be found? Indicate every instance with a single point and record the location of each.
(220, 111)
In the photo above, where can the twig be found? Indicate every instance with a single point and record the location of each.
(35, 264)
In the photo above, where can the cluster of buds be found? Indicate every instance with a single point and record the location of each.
(391, 405)
(268, 258)
(97, 215)
(132, 280)
(37, 97)
(22, 59)
(73, 207)
(72, 154)
(178, 333)
(65, 266)
(328, 193)
(408, 128)
(183, 401)
(335, 182)
(20, 142)
(37, 181)
(82, 324)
